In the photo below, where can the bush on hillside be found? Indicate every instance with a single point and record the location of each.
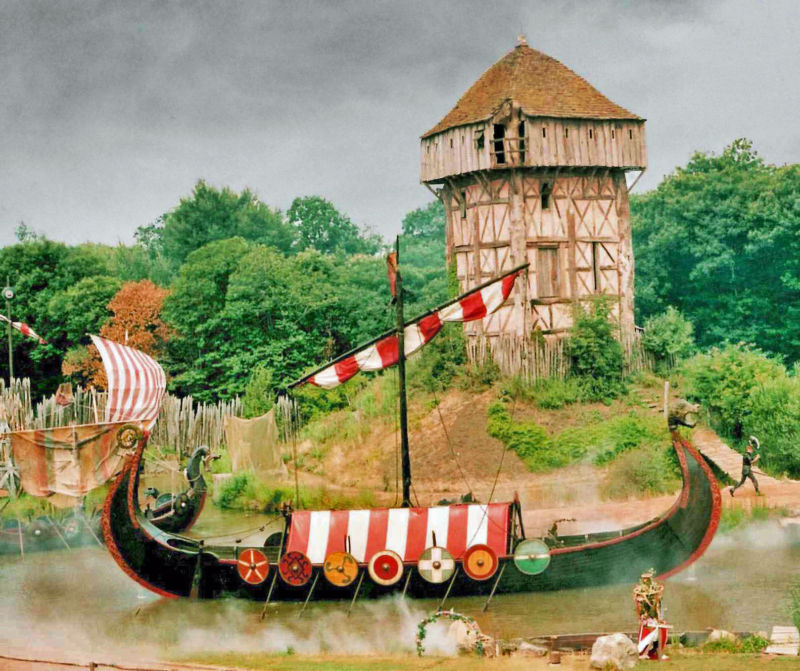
(668, 336)
(596, 355)
(724, 380)
(774, 417)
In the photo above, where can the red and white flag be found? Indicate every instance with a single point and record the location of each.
(24, 329)
(473, 305)
(136, 383)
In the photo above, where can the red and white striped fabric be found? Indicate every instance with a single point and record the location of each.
(24, 329)
(136, 383)
(406, 531)
(382, 354)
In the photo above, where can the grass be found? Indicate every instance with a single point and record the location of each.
(749, 644)
(245, 491)
(679, 660)
(733, 518)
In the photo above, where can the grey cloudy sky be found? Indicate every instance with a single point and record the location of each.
(110, 111)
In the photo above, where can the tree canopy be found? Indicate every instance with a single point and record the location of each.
(720, 241)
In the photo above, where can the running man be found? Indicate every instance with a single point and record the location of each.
(748, 460)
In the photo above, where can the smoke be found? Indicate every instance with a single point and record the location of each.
(78, 603)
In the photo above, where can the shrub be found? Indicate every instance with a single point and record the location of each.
(748, 644)
(622, 434)
(645, 469)
(775, 418)
(595, 353)
(258, 394)
(668, 336)
(723, 380)
(546, 393)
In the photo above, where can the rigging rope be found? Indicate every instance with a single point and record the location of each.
(450, 443)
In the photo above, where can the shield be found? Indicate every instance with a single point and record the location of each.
(340, 568)
(253, 566)
(385, 567)
(436, 565)
(295, 568)
(532, 557)
(480, 562)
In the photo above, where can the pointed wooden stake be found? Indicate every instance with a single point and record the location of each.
(449, 587)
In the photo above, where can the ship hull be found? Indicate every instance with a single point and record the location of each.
(171, 565)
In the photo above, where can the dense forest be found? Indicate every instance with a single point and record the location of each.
(223, 285)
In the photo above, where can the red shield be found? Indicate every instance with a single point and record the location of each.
(385, 567)
(294, 568)
(253, 566)
(480, 562)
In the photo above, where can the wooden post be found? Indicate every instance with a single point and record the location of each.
(666, 399)
(401, 377)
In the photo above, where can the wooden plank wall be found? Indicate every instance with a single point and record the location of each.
(548, 143)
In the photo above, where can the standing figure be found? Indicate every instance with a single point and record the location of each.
(653, 631)
(748, 460)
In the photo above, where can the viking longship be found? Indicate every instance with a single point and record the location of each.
(440, 551)
(63, 464)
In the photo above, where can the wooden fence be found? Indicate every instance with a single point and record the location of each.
(182, 424)
(538, 358)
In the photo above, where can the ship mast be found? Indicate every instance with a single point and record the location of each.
(405, 458)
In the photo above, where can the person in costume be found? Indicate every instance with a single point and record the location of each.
(748, 460)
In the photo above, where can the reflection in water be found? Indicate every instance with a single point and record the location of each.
(80, 600)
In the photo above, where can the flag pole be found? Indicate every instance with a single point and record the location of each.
(401, 378)
(8, 293)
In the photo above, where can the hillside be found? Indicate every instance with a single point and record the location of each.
(452, 453)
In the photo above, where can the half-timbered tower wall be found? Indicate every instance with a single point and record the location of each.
(530, 165)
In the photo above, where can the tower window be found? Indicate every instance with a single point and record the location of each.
(499, 145)
(591, 133)
(451, 143)
(547, 272)
(566, 132)
(612, 134)
(544, 132)
(479, 140)
(547, 191)
(630, 134)
(463, 203)
(521, 132)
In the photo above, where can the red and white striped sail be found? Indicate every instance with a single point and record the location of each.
(406, 531)
(473, 305)
(136, 383)
(24, 329)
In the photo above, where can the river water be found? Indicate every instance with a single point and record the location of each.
(80, 600)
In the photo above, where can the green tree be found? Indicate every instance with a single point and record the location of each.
(322, 227)
(216, 214)
(596, 355)
(720, 241)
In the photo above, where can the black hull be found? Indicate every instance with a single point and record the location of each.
(174, 566)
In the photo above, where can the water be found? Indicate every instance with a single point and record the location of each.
(80, 600)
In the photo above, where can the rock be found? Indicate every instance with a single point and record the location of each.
(616, 651)
(464, 636)
(525, 649)
(721, 635)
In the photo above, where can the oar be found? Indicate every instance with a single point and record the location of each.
(308, 598)
(494, 587)
(269, 594)
(408, 580)
(355, 596)
(55, 528)
(449, 587)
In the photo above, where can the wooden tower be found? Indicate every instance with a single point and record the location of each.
(530, 165)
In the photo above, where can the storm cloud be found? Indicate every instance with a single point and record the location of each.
(110, 111)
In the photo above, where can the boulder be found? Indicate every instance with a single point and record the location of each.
(721, 635)
(615, 651)
(525, 649)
